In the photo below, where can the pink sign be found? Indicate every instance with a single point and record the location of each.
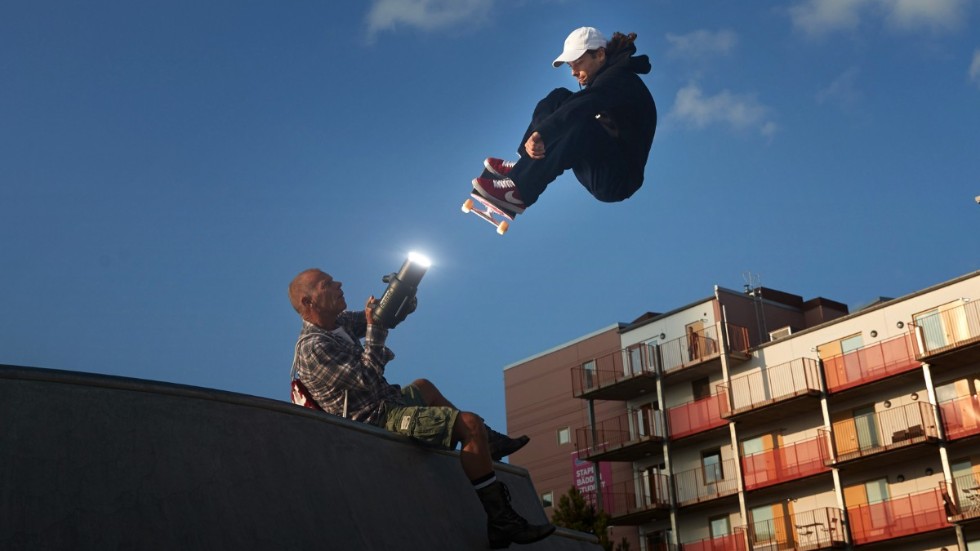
(584, 475)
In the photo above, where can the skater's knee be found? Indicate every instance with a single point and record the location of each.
(470, 427)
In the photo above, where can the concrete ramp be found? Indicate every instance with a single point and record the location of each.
(99, 462)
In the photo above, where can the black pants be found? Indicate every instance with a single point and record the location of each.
(585, 148)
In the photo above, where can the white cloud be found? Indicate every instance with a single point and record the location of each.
(738, 111)
(843, 90)
(975, 68)
(701, 43)
(426, 15)
(817, 17)
(821, 16)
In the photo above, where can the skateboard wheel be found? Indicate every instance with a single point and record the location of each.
(467, 206)
(502, 228)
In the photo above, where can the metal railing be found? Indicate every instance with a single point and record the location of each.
(882, 431)
(774, 384)
(806, 531)
(707, 482)
(648, 492)
(615, 367)
(702, 346)
(965, 489)
(632, 427)
(732, 542)
(947, 329)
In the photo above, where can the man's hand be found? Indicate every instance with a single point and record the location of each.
(535, 146)
(369, 307)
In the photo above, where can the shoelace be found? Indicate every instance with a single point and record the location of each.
(506, 183)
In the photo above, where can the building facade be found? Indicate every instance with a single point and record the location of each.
(755, 420)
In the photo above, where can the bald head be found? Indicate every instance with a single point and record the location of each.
(302, 287)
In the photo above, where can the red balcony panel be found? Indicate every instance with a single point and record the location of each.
(870, 363)
(961, 417)
(698, 416)
(774, 384)
(797, 460)
(731, 542)
(897, 517)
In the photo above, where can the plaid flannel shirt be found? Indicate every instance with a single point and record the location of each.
(339, 373)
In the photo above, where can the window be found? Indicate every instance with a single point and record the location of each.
(711, 464)
(701, 388)
(564, 435)
(547, 499)
(719, 526)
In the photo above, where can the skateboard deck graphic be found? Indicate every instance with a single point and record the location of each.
(489, 212)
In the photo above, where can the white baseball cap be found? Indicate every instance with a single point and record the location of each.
(578, 42)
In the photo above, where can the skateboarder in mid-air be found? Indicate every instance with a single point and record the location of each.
(603, 132)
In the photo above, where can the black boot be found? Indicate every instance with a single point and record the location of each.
(502, 445)
(504, 525)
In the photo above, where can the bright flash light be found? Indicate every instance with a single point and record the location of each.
(420, 259)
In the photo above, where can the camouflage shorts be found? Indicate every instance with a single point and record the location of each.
(411, 417)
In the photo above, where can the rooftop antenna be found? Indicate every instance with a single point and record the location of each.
(753, 288)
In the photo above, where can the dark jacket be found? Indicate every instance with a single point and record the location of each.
(624, 106)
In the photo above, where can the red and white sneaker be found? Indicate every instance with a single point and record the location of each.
(496, 169)
(502, 193)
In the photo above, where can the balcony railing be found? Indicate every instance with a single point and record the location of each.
(625, 437)
(708, 482)
(702, 346)
(774, 384)
(897, 517)
(882, 431)
(698, 416)
(961, 417)
(806, 531)
(950, 334)
(638, 501)
(621, 375)
(870, 363)
(731, 542)
(966, 490)
(790, 462)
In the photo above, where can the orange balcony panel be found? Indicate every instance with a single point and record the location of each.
(961, 417)
(897, 517)
(697, 416)
(870, 363)
(731, 542)
(797, 460)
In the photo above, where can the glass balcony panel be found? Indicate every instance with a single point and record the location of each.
(790, 462)
(897, 517)
(698, 416)
(961, 417)
(870, 363)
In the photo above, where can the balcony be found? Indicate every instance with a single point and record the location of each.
(706, 483)
(961, 417)
(774, 385)
(883, 431)
(698, 416)
(698, 354)
(731, 542)
(791, 462)
(949, 337)
(966, 488)
(622, 375)
(639, 501)
(897, 517)
(870, 363)
(627, 437)
(806, 531)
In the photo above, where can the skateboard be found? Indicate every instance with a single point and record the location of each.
(488, 212)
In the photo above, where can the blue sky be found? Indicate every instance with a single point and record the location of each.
(167, 167)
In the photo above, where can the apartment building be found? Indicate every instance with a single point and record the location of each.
(754, 420)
